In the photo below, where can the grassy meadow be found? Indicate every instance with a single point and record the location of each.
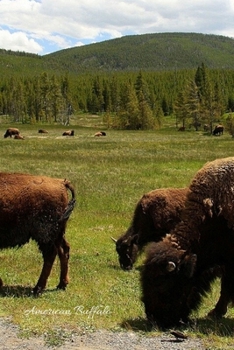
(110, 174)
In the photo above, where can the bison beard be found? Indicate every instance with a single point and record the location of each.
(37, 207)
(179, 270)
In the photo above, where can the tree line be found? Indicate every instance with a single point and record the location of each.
(128, 100)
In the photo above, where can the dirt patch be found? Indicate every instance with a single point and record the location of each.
(96, 340)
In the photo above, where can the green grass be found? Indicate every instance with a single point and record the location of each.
(110, 174)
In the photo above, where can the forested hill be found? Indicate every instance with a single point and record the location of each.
(158, 52)
(167, 51)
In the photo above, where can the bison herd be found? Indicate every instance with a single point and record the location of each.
(16, 133)
(187, 233)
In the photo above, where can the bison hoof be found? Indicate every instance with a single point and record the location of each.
(62, 286)
(37, 291)
(214, 314)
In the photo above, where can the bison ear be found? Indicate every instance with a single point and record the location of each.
(189, 265)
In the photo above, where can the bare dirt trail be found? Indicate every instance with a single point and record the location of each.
(97, 340)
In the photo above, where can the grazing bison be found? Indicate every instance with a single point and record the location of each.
(69, 133)
(176, 273)
(42, 131)
(218, 130)
(156, 213)
(11, 132)
(37, 207)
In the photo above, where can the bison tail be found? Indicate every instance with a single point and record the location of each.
(69, 186)
(68, 210)
(71, 203)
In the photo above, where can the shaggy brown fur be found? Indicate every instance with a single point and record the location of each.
(174, 278)
(156, 213)
(37, 207)
(11, 132)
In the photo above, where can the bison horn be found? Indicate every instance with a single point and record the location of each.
(114, 240)
(171, 266)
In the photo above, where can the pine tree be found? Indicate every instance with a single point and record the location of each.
(193, 104)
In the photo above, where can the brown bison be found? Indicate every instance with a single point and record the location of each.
(37, 207)
(11, 132)
(69, 133)
(156, 213)
(42, 131)
(19, 137)
(176, 274)
(218, 130)
(100, 133)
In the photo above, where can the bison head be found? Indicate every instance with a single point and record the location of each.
(166, 281)
(127, 250)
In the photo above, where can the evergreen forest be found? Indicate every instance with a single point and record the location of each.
(188, 76)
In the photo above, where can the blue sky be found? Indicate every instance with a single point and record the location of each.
(45, 26)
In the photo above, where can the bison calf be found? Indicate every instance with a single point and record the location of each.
(156, 213)
(37, 207)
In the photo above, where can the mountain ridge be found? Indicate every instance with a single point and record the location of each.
(156, 52)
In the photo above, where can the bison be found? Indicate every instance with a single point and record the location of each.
(69, 133)
(11, 132)
(100, 133)
(178, 270)
(155, 214)
(18, 137)
(42, 131)
(218, 130)
(37, 208)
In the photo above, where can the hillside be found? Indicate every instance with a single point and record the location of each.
(157, 52)
(167, 51)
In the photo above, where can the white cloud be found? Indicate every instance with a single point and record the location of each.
(18, 42)
(59, 24)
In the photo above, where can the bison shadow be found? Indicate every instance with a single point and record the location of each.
(221, 327)
(19, 291)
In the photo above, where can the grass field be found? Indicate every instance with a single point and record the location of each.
(110, 174)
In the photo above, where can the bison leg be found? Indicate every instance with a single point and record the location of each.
(49, 254)
(63, 253)
(226, 295)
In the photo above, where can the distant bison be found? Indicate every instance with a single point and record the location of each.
(174, 278)
(42, 131)
(100, 133)
(37, 207)
(69, 133)
(156, 213)
(11, 132)
(19, 137)
(218, 130)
